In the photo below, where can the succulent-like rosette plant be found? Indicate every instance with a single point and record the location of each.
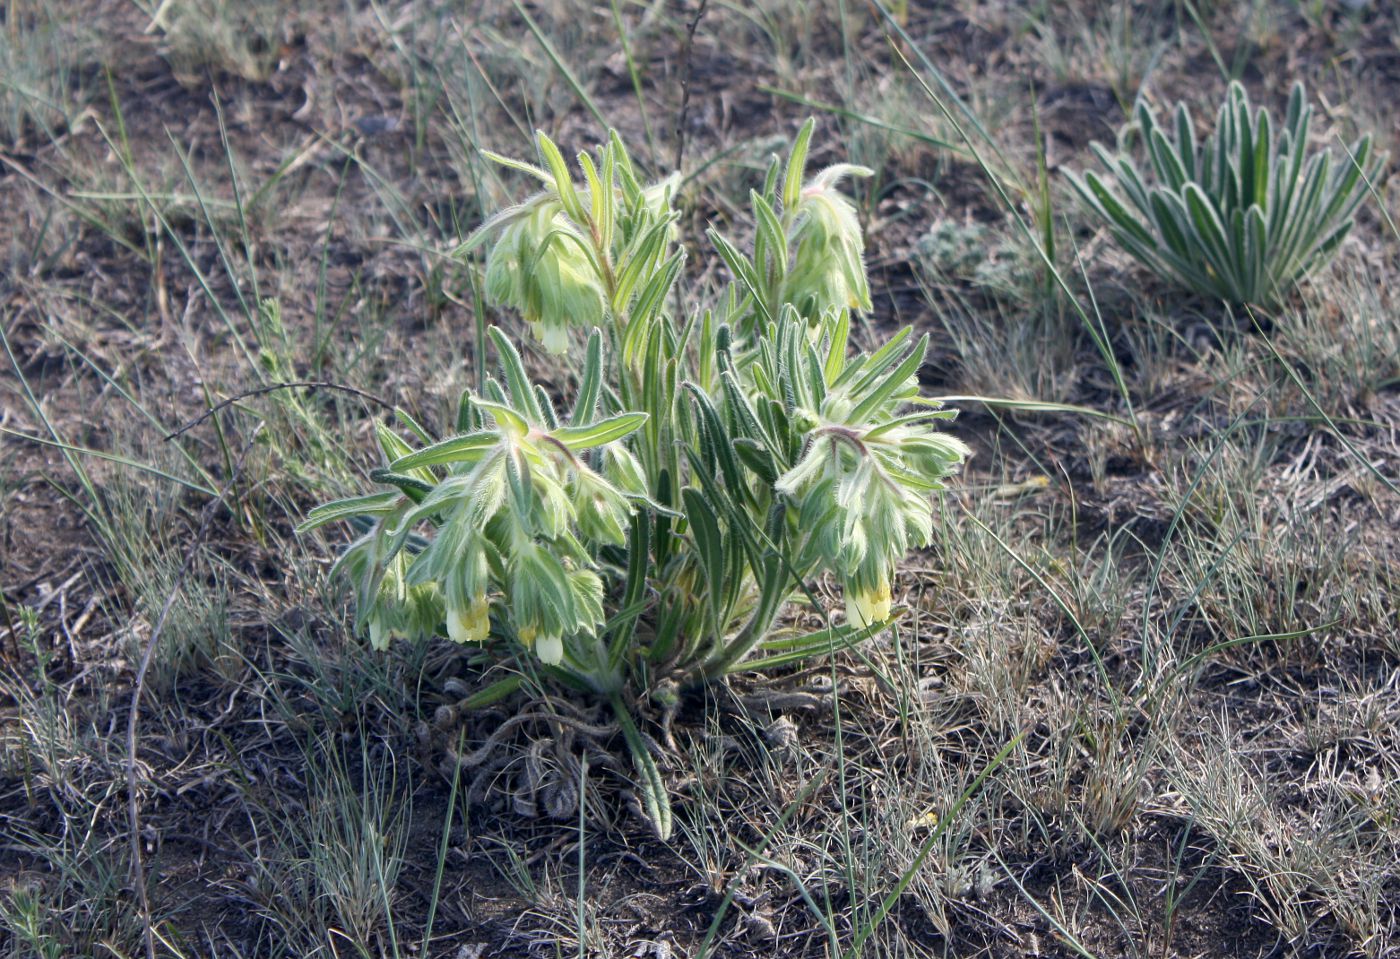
(710, 467)
(1245, 214)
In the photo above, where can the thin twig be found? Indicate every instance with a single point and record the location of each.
(132, 800)
(686, 48)
(10, 630)
(274, 387)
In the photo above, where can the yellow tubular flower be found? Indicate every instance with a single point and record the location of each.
(470, 624)
(866, 606)
(552, 336)
(550, 649)
(378, 635)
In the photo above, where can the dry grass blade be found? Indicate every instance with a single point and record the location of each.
(133, 801)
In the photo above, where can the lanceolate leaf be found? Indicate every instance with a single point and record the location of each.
(561, 180)
(590, 383)
(504, 416)
(652, 787)
(458, 449)
(412, 487)
(517, 380)
(600, 433)
(743, 271)
(653, 295)
(373, 504)
(879, 394)
(709, 541)
(790, 650)
(797, 166)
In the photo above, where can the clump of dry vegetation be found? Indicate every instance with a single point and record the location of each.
(1143, 701)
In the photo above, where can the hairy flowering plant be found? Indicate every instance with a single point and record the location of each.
(1246, 213)
(707, 468)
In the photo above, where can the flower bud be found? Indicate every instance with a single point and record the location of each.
(538, 267)
(379, 632)
(623, 471)
(603, 512)
(657, 201)
(423, 611)
(828, 268)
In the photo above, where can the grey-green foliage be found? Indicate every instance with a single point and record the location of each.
(974, 254)
(1243, 215)
(706, 468)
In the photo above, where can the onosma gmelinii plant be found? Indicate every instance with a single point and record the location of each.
(1245, 214)
(704, 469)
